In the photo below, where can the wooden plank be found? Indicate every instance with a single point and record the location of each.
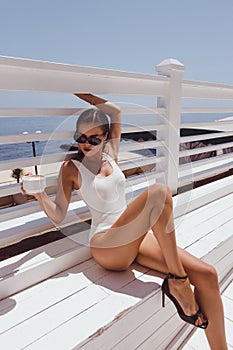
(33, 206)
(59, 309)
(6, 139)
(62, 156)
(38, 160)
(215, 135)
(43, 136)
(87, 324)
(211, 208)
(199, 197)
(56, 112)
(216, 125)
(199, 150)
(15, 266)
(229, 327)
(206, 110)
(133, 327)
(199, 89)
(147, 329)
(108, 281)
(30, 64)
(161, 339)
(18, 282)
(38, 112)
(48, 293)
(210, 241)
(20, 337)
(21, 75)
(190, 231)
(198, 175)
(200, 164)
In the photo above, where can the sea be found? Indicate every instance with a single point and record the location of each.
(15, 126)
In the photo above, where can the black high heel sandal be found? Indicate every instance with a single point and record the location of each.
(165, 290)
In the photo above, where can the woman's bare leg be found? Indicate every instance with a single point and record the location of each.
(202, 276)
(152, 209)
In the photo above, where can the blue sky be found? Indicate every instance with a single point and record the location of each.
(129, 35)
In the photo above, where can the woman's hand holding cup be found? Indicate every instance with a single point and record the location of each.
(33, 184)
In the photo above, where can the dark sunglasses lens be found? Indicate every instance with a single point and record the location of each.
(81, 139)
(94, 141)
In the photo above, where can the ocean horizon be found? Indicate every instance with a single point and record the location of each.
(15, 126)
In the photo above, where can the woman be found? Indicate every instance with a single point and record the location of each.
(119, 232)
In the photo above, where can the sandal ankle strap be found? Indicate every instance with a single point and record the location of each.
(175, 277)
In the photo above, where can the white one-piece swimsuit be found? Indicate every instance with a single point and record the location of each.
(104, 195)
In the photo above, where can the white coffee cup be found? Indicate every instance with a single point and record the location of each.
(34, 183)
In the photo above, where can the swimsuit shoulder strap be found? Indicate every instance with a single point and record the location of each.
(76, 163)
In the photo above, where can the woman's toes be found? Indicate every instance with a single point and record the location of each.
(200, 320)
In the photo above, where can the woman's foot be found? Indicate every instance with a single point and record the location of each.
(181, 290)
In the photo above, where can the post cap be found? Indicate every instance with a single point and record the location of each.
(168, 65)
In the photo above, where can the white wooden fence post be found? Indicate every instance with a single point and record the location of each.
(171, 103)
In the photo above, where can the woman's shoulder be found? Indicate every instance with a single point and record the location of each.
(70, 173)
(69, 166)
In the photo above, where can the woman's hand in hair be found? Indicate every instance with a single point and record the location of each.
(92, 99)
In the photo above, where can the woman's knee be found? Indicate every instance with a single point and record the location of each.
(211, 277)
(160, 191)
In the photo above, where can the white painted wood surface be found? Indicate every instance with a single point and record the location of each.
(19, 74)
(31, 75)
(198, 341)
(86, 307)
(53, 112)
(208, 90)
(170, 135)
(63, 310)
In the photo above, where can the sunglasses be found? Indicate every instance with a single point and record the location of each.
(92, 140)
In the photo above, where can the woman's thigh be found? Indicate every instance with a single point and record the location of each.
(134, 222)
(116, 258)
(118, 247)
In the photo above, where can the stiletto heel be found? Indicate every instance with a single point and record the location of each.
(163, 299)
(165, 290)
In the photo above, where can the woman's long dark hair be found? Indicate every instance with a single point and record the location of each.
(91, 116)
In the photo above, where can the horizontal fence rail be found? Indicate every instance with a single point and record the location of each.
(169, 151)
(28, 75)
(166, 150)
(206, 90)
(206, 149)
(62, 112)
(202, 137)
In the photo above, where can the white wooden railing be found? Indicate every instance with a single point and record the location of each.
(170, 90)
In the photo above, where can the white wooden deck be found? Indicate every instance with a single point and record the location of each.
(86, 307)
(198, 341)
